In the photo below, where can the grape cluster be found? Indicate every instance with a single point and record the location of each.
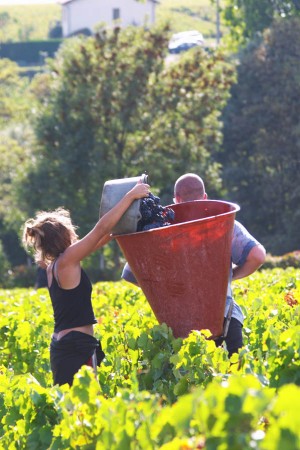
(153, 214)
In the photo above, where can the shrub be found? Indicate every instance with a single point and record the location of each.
(291, 259)
(20, 276)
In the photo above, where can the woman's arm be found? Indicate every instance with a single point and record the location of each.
(97, 237)
(103, 241)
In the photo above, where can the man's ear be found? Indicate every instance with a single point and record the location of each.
(205, 196)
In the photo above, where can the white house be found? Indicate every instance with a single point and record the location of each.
(85, 14)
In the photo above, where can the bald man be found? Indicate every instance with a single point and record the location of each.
(247, 255)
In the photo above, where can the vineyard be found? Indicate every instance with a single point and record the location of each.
(155, 391)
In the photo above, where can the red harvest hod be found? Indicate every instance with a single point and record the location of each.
(183, 268)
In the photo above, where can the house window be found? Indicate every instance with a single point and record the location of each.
(116, 13)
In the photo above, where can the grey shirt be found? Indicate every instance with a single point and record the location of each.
(242, 243)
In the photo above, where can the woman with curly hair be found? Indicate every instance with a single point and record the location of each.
(53, 237)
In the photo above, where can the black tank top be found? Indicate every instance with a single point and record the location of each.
(72, 307)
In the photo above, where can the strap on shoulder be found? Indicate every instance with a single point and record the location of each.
(54, 273)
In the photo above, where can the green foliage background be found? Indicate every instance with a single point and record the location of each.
(261, 137)
(247, 19)
(106, 109)
(81, 122)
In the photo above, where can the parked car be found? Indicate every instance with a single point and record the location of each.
(185, 40)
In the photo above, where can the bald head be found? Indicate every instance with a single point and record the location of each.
(189, 187)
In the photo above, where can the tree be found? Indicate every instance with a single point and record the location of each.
(13, 98)
(15, 139)
(89, 115)
(4, 265)
(262, 137)
(186, 130)
(113, 108)
(247, 18)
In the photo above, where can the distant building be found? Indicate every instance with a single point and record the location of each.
(83, 15)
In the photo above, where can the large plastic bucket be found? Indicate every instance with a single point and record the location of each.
(113, 191)
(183, 268)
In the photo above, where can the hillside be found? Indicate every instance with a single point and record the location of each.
(32, 22)
(27, 22)
(189, 15)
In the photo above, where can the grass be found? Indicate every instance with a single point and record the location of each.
(27, 22)
(188, 15)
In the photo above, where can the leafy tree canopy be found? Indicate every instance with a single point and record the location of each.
(14, 107)
(262, 137)
(247, 18)
(112, 107)
(15, 144)
(13, 98)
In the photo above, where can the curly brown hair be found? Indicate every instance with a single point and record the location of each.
(49, 234)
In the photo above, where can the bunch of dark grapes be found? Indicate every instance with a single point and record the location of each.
(153, 214)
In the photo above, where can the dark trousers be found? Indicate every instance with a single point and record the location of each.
(234, 338)
(70, 353)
